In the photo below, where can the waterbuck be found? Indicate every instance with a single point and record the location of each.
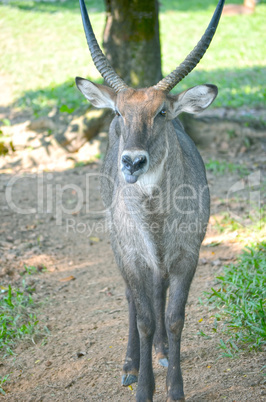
(156, 196)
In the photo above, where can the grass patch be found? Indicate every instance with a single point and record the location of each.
(18, 318)
(240, 302)
(43, 48)
(31, 269)
(252, 222)
(227, 224)
(2, 382)
(220, 167)
(64, 97)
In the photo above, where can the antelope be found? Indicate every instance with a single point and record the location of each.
(155, 192)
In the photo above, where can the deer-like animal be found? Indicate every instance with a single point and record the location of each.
(157, 202)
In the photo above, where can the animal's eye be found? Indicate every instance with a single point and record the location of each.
(163, 112)
(117, 113)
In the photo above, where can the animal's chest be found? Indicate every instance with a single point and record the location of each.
(137, 230)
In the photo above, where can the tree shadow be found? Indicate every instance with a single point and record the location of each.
(236, 89)
(63, 103)
(65, 98)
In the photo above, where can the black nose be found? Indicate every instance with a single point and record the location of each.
(132, 166)
(127, 162)
(139, 162)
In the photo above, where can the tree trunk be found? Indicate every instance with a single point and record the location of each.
(131, 41)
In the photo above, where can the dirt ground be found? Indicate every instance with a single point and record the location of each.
(82, 293)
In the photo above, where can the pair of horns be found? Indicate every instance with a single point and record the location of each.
(172, 79)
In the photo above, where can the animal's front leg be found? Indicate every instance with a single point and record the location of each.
(142, 295)
(179, 287)
(131, 365)
(160, 285)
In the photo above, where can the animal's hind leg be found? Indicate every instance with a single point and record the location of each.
(131, 365)
(160, 341)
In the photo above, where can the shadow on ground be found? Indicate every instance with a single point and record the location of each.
(244, 86)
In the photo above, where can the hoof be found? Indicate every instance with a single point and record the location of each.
(128, 379)
(163, 362)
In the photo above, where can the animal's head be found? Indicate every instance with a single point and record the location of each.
(143, 113)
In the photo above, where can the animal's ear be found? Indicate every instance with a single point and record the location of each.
(194, 100)
(100, 96)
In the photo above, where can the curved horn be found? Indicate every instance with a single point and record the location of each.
(190, 62)
(99, 59)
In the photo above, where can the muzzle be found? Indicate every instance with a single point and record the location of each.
(133, 164)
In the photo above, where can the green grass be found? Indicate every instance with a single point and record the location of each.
(234, 61)
(239, 299)
(31, 269)
(18, 318)
(2, 382)
(254, 221)
(43, 48)
(227, 224)
(221, 167)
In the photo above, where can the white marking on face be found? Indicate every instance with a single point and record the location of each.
(150, 179)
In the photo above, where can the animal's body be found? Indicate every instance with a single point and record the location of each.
(157, 203)
(165, 213)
